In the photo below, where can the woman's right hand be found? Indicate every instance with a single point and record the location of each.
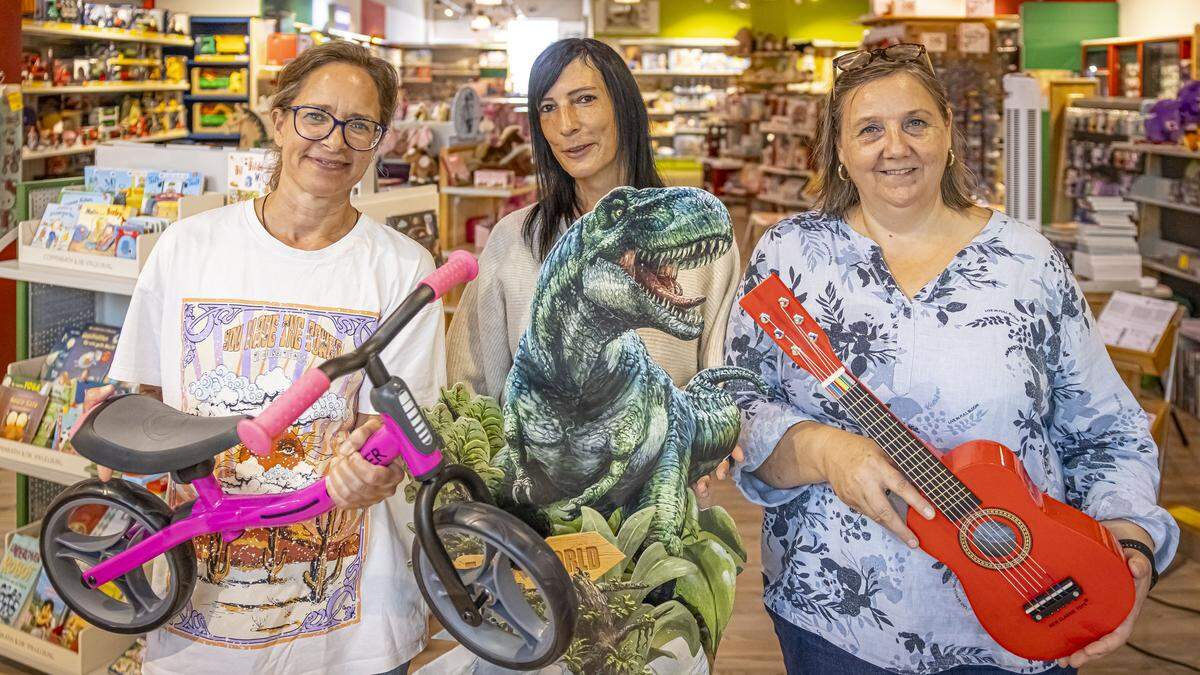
(861, 474)
(92, 398)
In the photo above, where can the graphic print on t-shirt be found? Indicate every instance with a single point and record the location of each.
(273, 584)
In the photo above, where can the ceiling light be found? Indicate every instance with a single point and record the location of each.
(627, 2)
(489, 3)
(448, 12)
(480, 22)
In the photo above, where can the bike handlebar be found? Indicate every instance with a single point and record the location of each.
(259, 433)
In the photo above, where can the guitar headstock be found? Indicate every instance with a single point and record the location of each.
(783, 318)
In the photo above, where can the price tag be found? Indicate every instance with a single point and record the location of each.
(981, 7)
(15, 103)
(587, 552)
(935, 43)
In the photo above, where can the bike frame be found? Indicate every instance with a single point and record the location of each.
(405, 435)
(214, 510)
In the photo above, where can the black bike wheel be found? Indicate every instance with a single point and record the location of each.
(120, 514)
(514, 634)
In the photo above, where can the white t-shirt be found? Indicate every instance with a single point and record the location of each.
(224, 318)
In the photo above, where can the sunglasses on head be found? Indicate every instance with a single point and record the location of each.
(898, 53)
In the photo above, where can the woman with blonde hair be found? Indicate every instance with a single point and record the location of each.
(968, 325)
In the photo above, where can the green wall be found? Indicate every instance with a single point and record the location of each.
(697, 18)
(827, 19)
(1050, 36)
(1051, 31)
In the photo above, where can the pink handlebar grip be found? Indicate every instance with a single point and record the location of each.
(460, 268)
(259, 433)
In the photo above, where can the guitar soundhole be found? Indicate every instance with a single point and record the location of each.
(994, 538)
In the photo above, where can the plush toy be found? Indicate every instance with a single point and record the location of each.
(1162, 124)
(1189, 114)
(423, 166)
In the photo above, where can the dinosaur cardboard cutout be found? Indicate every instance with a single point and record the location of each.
(593, 436)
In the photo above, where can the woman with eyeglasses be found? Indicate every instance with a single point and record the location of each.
(968, 325)
(232, 306)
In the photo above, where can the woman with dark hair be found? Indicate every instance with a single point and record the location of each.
(968, 325)
(590, 134)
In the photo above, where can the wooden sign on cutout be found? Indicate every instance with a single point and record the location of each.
(588, 552)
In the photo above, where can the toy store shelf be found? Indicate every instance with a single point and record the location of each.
(782, 201)
(871, 19)
(57, 276)
(688, 73)
(32, 460)
(156, 138)
(1162, 203)
(206, 60)
(76, 32)
(1156, 149)
(503, 193)
(214, 137)
(780, 171)
(215, 97)
(1152, 264)
(105, 88)
(782, 129)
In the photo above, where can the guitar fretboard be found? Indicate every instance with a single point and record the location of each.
(915, 460)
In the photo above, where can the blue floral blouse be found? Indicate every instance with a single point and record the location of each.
(1000, 346)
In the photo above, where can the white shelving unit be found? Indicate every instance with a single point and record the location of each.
(70, 31)
(33, 460)
(156, 138)
(105, 88)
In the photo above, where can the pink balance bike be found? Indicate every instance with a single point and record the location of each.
(515, 607)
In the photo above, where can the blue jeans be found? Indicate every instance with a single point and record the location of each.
(806, 653)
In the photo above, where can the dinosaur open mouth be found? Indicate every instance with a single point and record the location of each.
(658, 275)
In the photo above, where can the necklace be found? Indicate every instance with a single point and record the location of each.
(263, 215)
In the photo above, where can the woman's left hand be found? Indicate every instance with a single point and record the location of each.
(1140, 568)
(723, 469)
(355, 483)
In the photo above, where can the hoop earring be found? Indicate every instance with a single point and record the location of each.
(841, 172)
(952, 159)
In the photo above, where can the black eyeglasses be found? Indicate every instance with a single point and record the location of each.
(898, 53)
(315, 124)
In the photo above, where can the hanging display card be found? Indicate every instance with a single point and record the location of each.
(973, 38)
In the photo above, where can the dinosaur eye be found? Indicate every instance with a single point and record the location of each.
(617, 213)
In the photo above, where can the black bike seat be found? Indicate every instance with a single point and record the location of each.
(140, 434)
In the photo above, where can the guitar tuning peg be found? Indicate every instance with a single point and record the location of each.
(795, 350)
(783, 302)
(778, 334)
(797, 319)
(764, 317)
(812, 337)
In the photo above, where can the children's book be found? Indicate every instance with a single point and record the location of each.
(174, 183)
(44, 611)
(57, 224)
(83, 354)
(20, 413)
(18, 574)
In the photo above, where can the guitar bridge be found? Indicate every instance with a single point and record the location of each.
(1054, 600)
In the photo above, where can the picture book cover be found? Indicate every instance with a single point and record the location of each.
(22, 382)
(68, 632)
(57, 224)
(61, 394)
(83, 354)
(43, 612)
(20, 413)
(174, 183)
(96, 230)
(74, 197)
(249, 174)
(18, 574)
(130, 663)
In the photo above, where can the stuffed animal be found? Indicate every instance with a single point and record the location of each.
(423, 166)
(1162, 124)
(1189, 114)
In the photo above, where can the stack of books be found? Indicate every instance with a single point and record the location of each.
(1106, 256)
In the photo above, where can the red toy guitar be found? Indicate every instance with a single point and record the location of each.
(1043, 578)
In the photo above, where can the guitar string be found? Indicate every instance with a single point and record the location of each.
(861, 409)
(1022, 588)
